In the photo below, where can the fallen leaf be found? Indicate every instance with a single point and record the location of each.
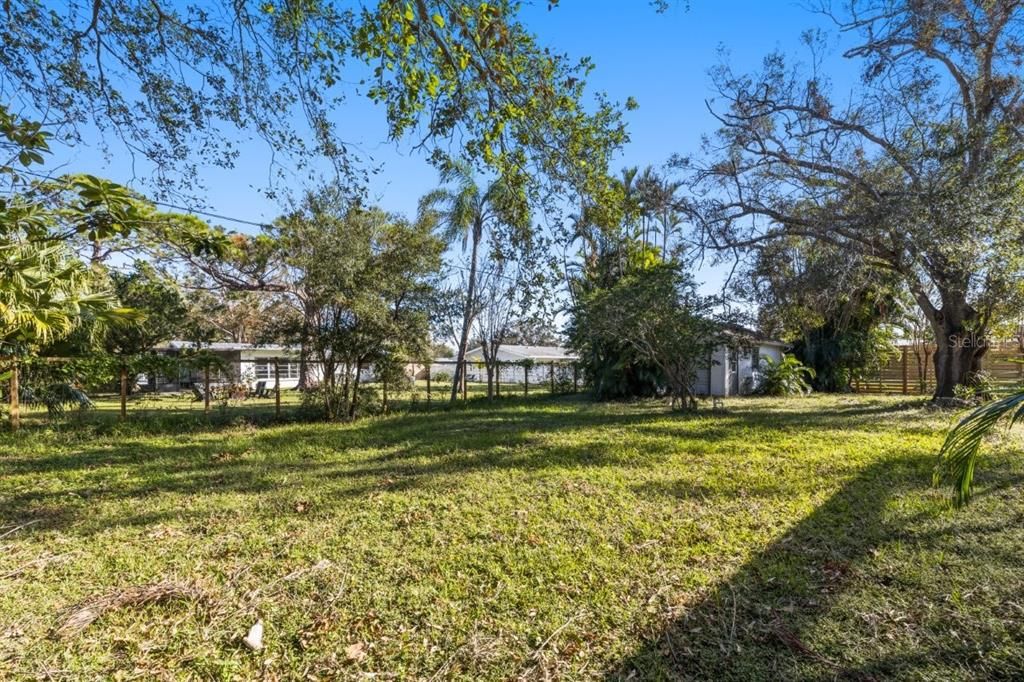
(354, 652)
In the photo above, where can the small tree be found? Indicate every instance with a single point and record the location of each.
(366, 277)
(513, 293)
(658, 314)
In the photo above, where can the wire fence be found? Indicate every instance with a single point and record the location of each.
(275, 387)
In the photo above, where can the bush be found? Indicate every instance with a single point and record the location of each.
(369, 401)
(787, 376)
(55, 397)
(981, 388)
(325, 402)
(442, 378)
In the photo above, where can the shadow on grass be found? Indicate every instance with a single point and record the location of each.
(338, 462)
(776, 617)
(347, 461)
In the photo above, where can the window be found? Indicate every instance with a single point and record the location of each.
(264, 370)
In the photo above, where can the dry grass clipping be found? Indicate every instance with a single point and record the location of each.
(79, 617)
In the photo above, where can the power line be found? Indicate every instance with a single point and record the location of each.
(208, 214)
(195, 211)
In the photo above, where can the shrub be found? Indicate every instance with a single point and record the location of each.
(55, 397)
(982, 387)
(787, 376)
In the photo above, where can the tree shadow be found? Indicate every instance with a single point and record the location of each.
(94, 488)
(785, 614)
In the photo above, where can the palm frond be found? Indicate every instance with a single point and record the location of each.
(959, 453)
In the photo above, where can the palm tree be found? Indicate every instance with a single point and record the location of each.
(960, 451)
(648, 190)
(466, 211)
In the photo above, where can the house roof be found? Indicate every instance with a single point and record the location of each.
(179, 344)
(539, 353)
(763, 339)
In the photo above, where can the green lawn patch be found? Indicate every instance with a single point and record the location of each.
(783, 539)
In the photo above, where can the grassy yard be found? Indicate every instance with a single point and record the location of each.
(548, 537)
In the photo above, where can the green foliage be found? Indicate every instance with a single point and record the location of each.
(959, 453)
(55, 397)
(787, 376)
(46, 290)
(610, 233)
(981, 387)
(161, 307)
(653, 316)
(836, 308)
(364, 280)
(172, 81)
(933, 196)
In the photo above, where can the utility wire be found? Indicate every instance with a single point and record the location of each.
(186, 209)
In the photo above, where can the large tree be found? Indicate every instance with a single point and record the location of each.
(171, 82)
(919, 171)
(837, 310)
(365, 279)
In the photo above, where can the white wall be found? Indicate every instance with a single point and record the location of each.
(720, 373)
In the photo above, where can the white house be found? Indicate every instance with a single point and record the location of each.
(733, 368)
(514, 359)
(246, 362)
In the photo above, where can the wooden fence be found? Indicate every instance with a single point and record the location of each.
(912, 371)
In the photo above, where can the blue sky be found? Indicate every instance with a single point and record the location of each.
(662, 60)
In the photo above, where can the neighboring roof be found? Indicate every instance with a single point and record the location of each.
(539, 353)
(178, 344)
(763, 339)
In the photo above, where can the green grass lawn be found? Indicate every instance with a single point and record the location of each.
(549, 537)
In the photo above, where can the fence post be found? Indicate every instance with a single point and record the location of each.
(526, 381)
(497, 377)
(384, 394)
(124, 391)
(206, 388)
(277, 387)
(14, 398)
(465, 368)
(575, 378)
(428, 384)
(551, 375)
(905, 376)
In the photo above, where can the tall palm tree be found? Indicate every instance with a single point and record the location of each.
(649, 198)
(959, 453)
(467, 211)
(670, 221)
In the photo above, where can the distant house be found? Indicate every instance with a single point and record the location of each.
(514, 360)
(733, 368)
(245, 362)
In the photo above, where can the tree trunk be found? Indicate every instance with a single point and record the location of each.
(355, 390)
(959, 347)
(307, 313)
(489, 360)
(303, 368)
(467, 313)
